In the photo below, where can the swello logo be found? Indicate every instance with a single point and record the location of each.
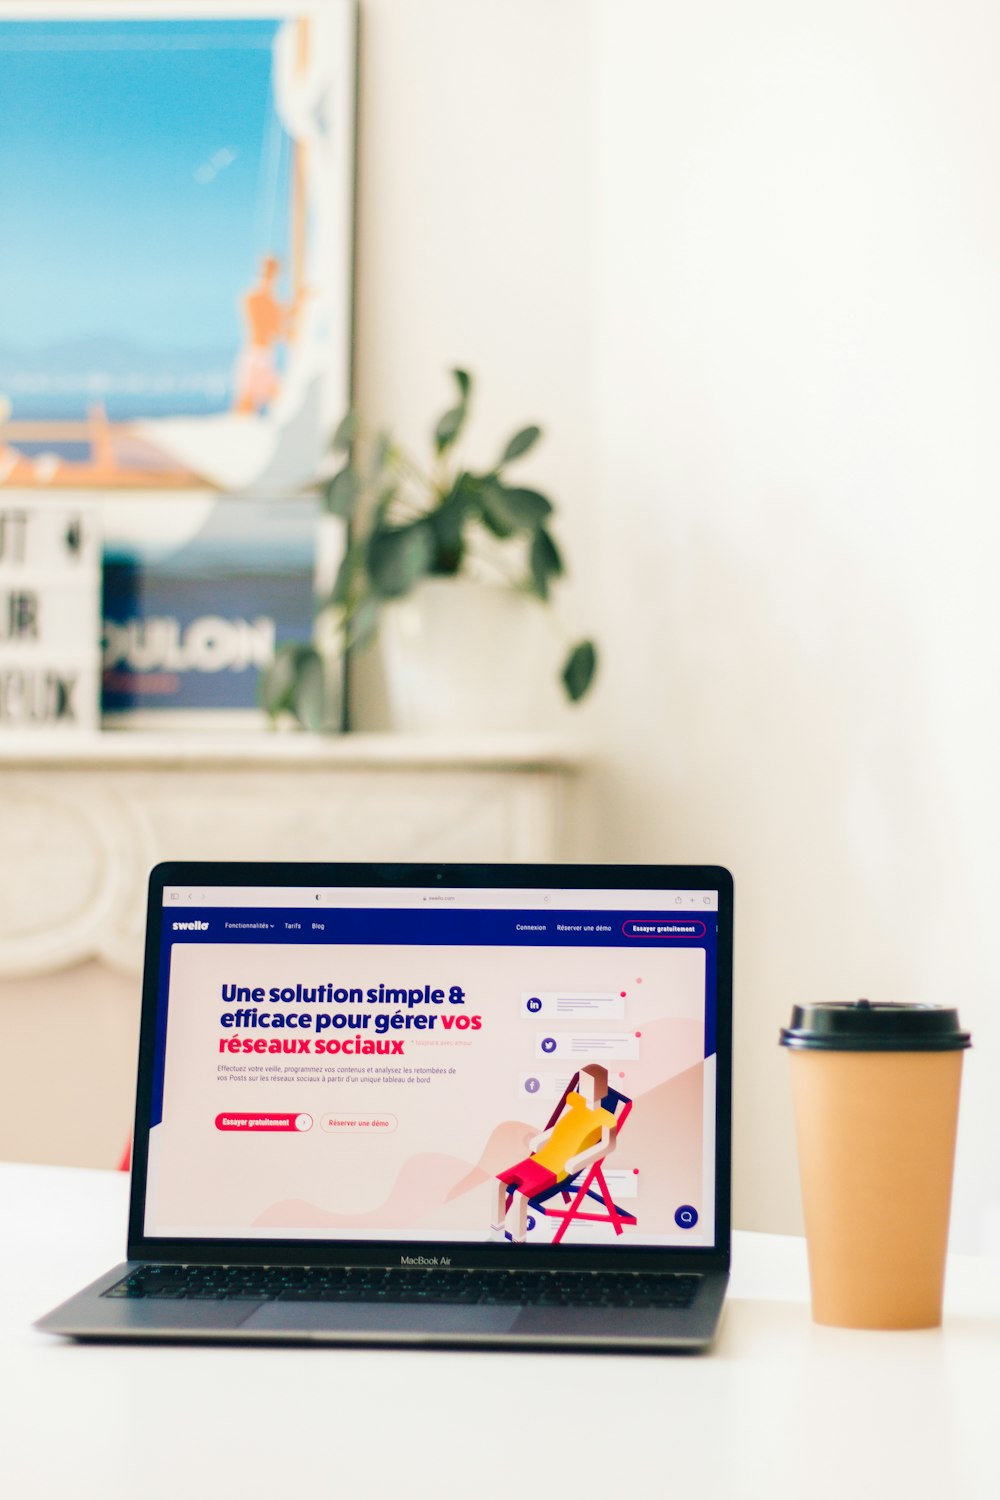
(190, 926)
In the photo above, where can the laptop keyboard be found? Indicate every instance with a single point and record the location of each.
(374, 1284)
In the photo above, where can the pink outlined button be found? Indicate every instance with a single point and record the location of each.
(679, 927)
(373, 1124)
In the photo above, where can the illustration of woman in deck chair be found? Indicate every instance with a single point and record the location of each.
(581, 1132)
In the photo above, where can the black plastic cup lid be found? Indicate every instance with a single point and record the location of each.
(873, 1026)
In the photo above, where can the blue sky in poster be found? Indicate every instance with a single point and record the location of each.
(144, 174)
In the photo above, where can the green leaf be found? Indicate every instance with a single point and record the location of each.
(347, 431)
(494, 522)
(578, 673)
(545, 562)
(467, 488)
(346, 574)
(381, 452)
(363, 624)
(398, 556)
(276, 684)
(495, 512)
(520, 443)
(510, 510)
(448, 428)
(385, 499)
(309, 697)
(450, 425)
(528, 507)
(341, 493)
(448, 521)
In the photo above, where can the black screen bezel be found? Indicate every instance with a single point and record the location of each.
(459, 876)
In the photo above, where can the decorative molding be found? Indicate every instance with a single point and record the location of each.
(118, 747)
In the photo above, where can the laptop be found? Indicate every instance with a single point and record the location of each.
(429, 1104)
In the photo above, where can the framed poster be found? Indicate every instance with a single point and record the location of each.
(175, 309)
(175, 304)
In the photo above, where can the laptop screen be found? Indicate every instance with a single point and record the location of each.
(439, 1063)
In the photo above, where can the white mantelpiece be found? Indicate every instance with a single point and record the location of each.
(84, 819)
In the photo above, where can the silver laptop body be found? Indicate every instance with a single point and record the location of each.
(484, 1105)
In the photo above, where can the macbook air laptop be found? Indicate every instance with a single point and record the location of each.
(421, 1104)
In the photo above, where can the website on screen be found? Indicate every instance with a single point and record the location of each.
(481, 1066)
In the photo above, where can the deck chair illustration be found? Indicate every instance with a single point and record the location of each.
(577, 1177)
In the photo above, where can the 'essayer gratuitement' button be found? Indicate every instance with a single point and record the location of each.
(248, 1123)
(646, 927)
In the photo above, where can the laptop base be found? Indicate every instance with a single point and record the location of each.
(91, 1316)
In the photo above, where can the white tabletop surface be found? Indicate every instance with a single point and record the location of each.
(780, 1408)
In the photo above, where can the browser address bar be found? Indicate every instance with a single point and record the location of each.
(445, 898)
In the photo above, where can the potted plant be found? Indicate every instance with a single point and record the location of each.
(411, 529)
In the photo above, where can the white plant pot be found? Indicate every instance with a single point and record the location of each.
(460, 656)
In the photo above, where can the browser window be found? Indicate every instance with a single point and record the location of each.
(435, 1064)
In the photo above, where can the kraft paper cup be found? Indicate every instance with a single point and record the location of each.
(875, 1089)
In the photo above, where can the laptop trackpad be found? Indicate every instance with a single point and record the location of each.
(374, 1317)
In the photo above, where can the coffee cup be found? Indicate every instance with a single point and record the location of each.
(875, 1088)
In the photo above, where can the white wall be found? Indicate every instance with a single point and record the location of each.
(798, 233)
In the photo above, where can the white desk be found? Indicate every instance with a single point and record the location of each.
(782, 1408)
